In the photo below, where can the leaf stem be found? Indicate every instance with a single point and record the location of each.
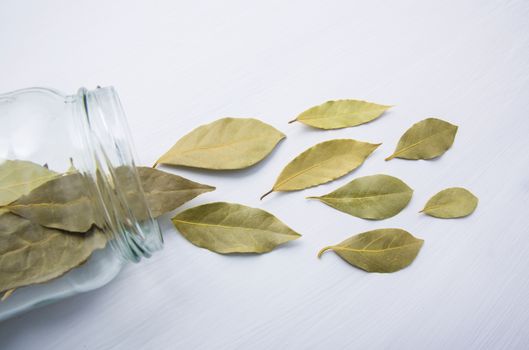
(266, 194)
(390, 157)
(155, 165)
(320, 253)
(7, 294)
(293, 120)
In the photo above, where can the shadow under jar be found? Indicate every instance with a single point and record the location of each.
(85, 135)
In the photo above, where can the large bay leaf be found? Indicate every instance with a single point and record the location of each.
(383, 250)
(19, 177)
(370, 197)
(232, 228)
(455, 202)
(341, 114)
(164, 192)
(322, 163)
(31, 253)
(226, 144)
(62, 203)
(427, 139)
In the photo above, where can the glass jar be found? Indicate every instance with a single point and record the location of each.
(86, 131)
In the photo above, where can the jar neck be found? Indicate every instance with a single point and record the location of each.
(109, 163)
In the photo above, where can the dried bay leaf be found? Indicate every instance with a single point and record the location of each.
(455, 202)
(383, 250)
(322, 163)
(341, 114)
(232, 228)
(164, 191)
(62, 203)
(370, 197)
(225, 144)
(19, 177)
(31, 253)
(427, 139)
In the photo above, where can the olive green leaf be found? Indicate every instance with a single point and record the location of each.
(62, 203)
(30, 253)
(341, 114)
(370, 197)
(232, 228)
(322, 163)
(427, 139)
(19, 177)
(455, 202)
(164, 192)
(226, 144)
(383, 250)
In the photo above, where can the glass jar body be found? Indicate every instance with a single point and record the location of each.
(84, 134)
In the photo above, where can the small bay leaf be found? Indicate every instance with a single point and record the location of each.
(232, 228)
(427, 139)
(322, 163)
(61, 203)
(19, 177)
(341, 114)
(454, 202)
(370, 197)
(31, 253)
(225, 144)
(383, 250)
(164, 191)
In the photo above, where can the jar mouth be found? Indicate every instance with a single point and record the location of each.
(110, 163)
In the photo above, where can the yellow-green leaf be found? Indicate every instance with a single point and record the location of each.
(427, 139)
(341, 114)
(62, 203)
(322, 163)
(165, 192)
(30, 253)
(370, 197)
(383, 250)
(226, 144)
(233, 228)
(19, 177)
(455, 202)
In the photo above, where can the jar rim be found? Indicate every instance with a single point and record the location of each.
(105, 134)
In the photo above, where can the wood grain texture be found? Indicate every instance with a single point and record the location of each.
(177, 65)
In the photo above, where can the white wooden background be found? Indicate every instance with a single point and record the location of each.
(178, 64)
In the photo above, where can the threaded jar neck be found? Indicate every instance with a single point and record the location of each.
(108, 162)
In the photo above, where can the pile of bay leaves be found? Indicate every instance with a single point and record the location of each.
(48, 225)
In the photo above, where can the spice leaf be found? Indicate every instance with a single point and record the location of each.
(31, 253)
(383, 250)
(370, 197)
(232, 228)
(427, 139)
(19, 177)
(322, 163)
(61, 203)
(226, 144)
(165, 192)
(455, 202)
(341, 114)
